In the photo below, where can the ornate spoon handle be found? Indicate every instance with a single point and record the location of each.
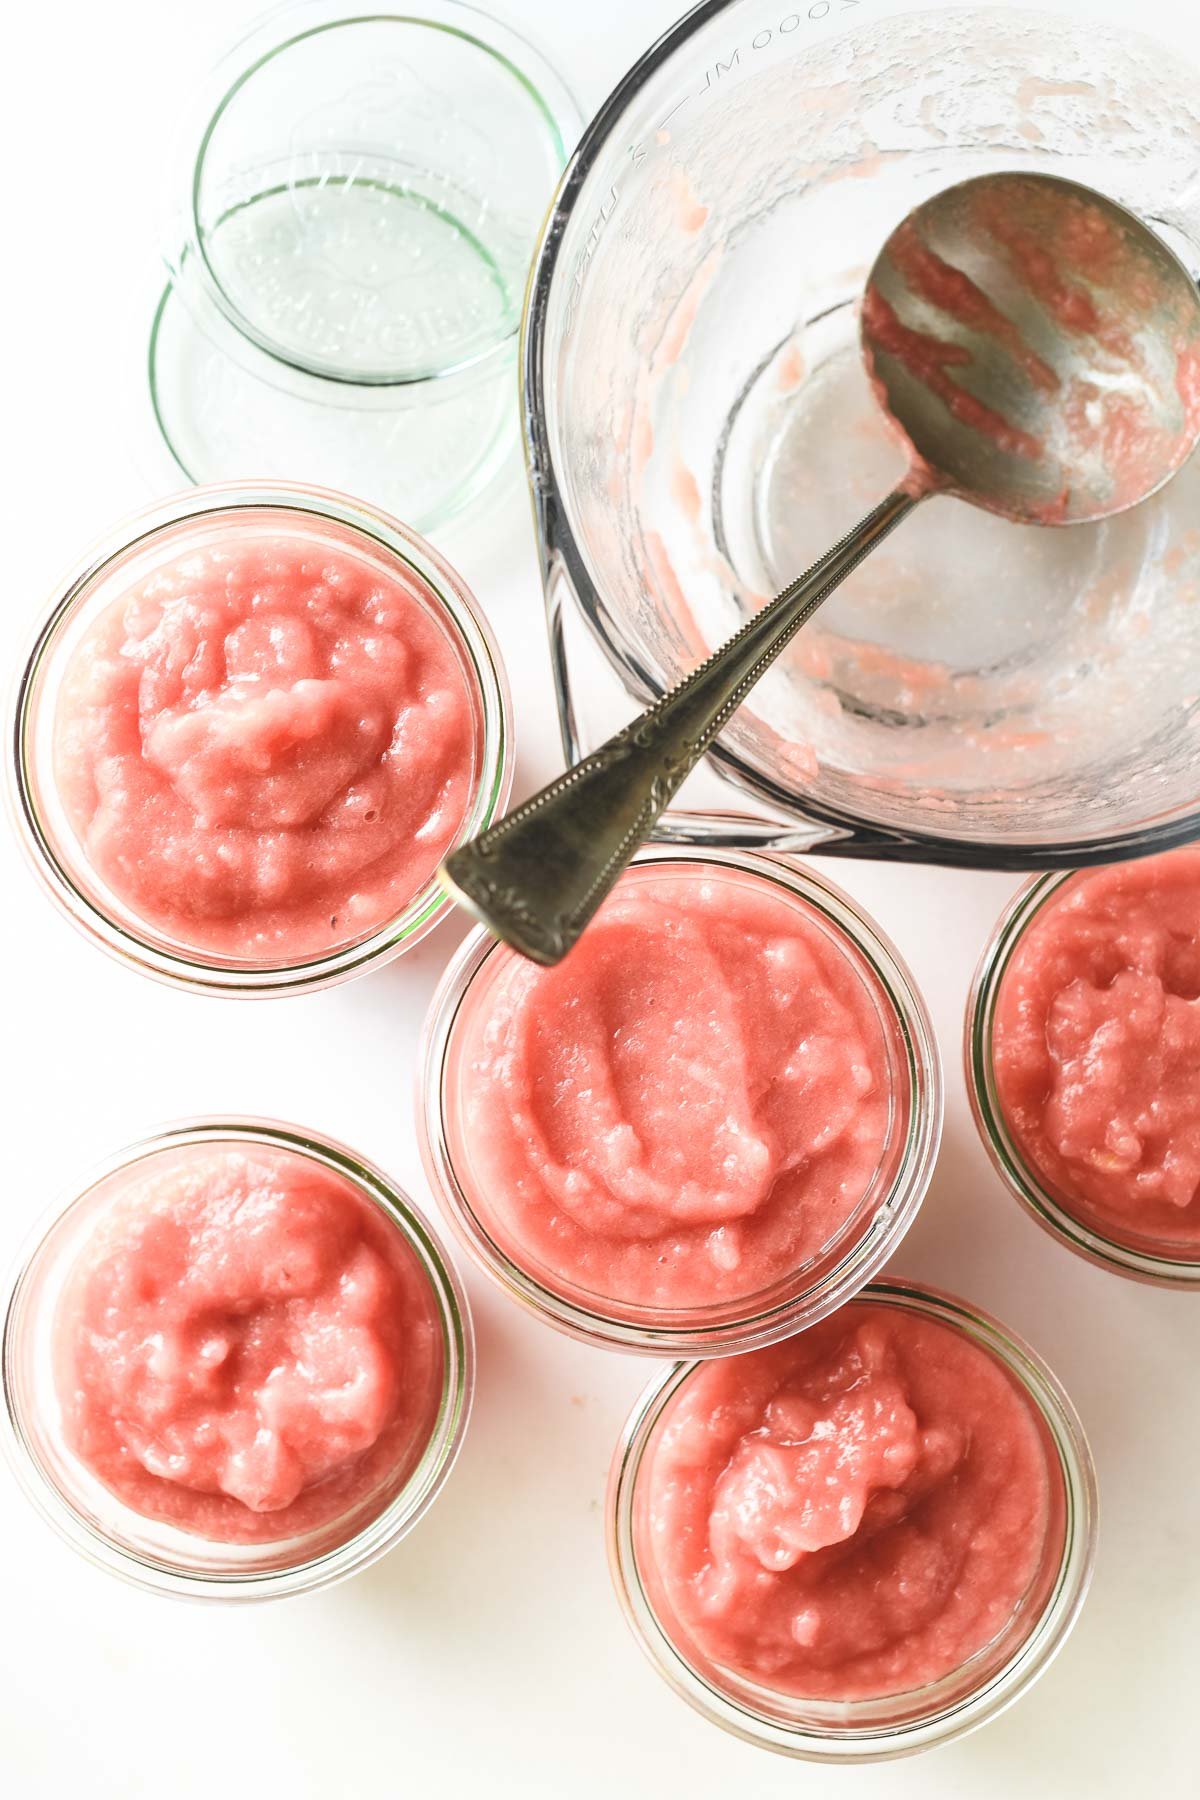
(536, 877)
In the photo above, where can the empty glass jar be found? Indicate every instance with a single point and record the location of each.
(362, 197)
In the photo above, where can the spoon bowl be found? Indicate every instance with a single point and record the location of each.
(1037, 347)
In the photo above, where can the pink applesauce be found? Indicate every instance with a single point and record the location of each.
(851, 1513)
(690, 1108)
(246, 1348)
(266, 745)
(1096, 1048)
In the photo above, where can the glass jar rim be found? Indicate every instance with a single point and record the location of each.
(281, 29)
(873, 1742)
(459, 612)
(386, 1527)
(1021, 1180)
(852, 1268)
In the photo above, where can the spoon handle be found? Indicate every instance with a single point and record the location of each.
(536, 877)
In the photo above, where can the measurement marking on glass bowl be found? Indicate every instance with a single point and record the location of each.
(763, 38)
(713, 75)
(605, 213)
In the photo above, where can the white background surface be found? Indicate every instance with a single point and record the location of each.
(486, 1654)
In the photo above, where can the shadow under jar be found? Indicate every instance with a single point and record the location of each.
(895, 1514)
(238, 1365)
(251, 723)
(700, 428)
(1081, 1048)
(705, 1129)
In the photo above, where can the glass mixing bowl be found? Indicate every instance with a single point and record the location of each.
(699, 428)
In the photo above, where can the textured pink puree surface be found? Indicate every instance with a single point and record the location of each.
(1096, 1048)
(848, 1514)
(689, 1108)
(1092, 279)
(246, 1348)
(266, 746)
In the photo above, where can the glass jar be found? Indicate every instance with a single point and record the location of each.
(159, 1556)
(131, 552)
(872, 1730)
(700, 428)
(359, 198)
(860, 1246)
(1161, 1264)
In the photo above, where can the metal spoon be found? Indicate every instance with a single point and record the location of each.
(1038, 349)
